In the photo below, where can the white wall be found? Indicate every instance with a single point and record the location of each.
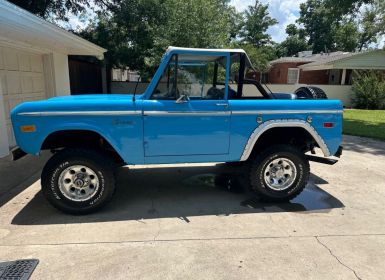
(57, 76)
(4, 146)
(343, 93)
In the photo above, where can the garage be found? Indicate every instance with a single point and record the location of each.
(33, 63)
(22, 79)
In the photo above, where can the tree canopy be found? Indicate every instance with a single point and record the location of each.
(137, 32)
(347, 26)
(59, 9)
(256, 22)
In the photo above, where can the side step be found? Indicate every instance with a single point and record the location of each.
(323, 160)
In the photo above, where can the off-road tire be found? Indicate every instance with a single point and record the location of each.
(258, 167)
(103, 166)
(310, 93)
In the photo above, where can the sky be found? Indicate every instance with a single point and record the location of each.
(284, 11)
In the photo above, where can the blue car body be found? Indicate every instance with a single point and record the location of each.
(147, 131)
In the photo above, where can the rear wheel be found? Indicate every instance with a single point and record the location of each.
(78, 181)
(279, 173)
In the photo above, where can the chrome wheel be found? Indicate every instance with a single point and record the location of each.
(78, 183)
(279, 174)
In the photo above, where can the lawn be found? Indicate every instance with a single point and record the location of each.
(367, 123)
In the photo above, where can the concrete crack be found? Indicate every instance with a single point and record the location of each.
(159, 229)
(187, 239)
(157, 217)
(331, 253)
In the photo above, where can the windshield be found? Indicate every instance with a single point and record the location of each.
(203, 77)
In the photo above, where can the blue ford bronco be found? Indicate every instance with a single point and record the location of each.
(197, 109)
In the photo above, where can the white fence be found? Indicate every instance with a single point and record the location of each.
(341, 92)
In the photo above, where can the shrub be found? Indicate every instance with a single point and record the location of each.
(369, 89)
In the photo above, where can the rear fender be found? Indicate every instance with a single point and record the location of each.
(283, 123)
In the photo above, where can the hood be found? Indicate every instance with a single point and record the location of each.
(91, 97)
(87, 102)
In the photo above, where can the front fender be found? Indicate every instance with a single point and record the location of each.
(124, 135)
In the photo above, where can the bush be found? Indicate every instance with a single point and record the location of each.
(369, 89)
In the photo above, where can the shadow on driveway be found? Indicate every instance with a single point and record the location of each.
(16, 176)
(363, 145)
(180, 192)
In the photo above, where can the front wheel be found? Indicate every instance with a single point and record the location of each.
(279, 173)
(78, 181)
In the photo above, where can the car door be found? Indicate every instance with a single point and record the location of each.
(181, 119)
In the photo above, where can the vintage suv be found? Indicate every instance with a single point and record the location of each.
(195, 110)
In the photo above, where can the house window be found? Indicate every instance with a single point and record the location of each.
(292, 76)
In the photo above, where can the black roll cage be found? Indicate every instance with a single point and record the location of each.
(242, 80)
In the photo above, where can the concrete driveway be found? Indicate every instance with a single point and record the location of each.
(173, 223)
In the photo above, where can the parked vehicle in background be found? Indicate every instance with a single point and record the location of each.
(193, 111)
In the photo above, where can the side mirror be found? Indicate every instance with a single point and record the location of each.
(182, 99)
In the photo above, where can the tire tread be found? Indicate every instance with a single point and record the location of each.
(99, 157)
(260, 157)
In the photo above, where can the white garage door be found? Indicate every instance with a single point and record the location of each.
(22, 79)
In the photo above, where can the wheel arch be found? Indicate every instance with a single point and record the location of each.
(82, 137)
(282, 126)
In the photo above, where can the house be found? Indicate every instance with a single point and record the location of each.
(124, 75)
(334, 68)
(33, 62)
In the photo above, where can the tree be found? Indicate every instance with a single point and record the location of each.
(195, 23)
(59, 9)
(295, 42)
(256, 23)
(128, 34)
(345, 7)
(318, 23)
(138, 32)
(372, 24)
(346, 36)
(259, 56)
(351, 25)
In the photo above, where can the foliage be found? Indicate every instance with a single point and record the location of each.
(318, 24)
(351, 25)
(372, 24)
(59, 9)
(367, 123)
(295, 42)
(138, 32)
(253, 37)
(186, 23)
(346, 36)
(255, 26)
(259, 56)
(129, 34)
(369, 89)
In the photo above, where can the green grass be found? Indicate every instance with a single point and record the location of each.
(367, 123)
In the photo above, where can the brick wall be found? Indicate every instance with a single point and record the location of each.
(278, 74)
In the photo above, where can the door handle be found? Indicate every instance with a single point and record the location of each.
(222, 104)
